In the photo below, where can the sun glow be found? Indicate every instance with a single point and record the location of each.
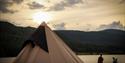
(39, 17)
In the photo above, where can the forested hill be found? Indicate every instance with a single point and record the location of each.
(106, 41)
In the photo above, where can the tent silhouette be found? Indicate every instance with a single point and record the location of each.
(44, 46)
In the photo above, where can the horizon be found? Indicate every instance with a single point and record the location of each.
(122, 29)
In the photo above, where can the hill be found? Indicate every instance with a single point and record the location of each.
(109, 41)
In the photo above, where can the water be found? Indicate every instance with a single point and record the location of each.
(107, 58)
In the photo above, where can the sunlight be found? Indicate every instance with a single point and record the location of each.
(39, 17)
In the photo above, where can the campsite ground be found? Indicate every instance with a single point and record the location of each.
(85, 58)
(7, 60)
(107, 58)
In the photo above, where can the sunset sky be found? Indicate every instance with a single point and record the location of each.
(71, 14)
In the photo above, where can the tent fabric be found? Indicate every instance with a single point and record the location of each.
(48, 48)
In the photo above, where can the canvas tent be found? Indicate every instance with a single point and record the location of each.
(44, 46)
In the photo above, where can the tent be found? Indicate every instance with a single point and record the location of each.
(44, 46)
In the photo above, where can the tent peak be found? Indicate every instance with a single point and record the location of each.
(43, 24)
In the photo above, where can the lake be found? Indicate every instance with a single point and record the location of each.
(107, 58)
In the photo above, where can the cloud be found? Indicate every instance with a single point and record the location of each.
(4, 9)
(35, 5)
(7, 3)
(122, 1)
(113, 25)
(56, 6)
(65, 3)
(60, 26)
(17, 1)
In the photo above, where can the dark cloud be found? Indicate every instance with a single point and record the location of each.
(122, 1)
(5, 10)
(18, 1)
(60, 26)
(58, 6)
(66, 3)
(35, 5)
(113, 25)
(6, 3)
